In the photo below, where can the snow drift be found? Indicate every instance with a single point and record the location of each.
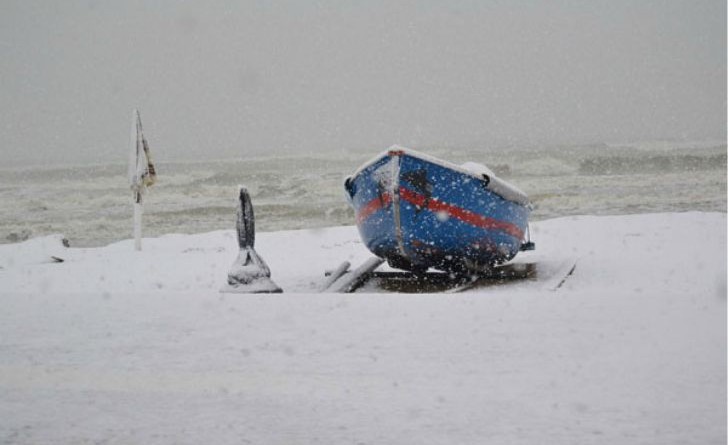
(140, 347)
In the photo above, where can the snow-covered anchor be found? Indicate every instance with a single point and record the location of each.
(249, 274)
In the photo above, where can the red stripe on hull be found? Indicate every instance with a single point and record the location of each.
(372, 206)
(459, 213)
(437, 206)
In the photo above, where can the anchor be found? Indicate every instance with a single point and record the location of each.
(249, 274)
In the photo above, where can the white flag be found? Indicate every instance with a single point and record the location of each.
(141, 174)
(141, 170)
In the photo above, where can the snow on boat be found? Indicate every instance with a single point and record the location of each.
(418, 212)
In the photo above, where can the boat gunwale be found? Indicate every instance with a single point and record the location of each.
(516, 195)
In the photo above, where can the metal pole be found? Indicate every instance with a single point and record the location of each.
(138, 211)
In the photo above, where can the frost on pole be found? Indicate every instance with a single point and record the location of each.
(142, 174)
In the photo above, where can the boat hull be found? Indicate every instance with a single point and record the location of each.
(418, 212)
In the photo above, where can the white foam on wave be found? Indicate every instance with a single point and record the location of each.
(91, 205)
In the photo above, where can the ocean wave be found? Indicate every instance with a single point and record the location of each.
(91, 205)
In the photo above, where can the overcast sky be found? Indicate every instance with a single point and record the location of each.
(218, 79)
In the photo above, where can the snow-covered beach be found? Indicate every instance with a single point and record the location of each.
(609, 116)
(117, 346)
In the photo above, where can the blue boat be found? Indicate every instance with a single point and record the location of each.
(419, 212)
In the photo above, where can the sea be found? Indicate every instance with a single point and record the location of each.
(91, 205)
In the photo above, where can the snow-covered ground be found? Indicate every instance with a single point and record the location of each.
(116, 346)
